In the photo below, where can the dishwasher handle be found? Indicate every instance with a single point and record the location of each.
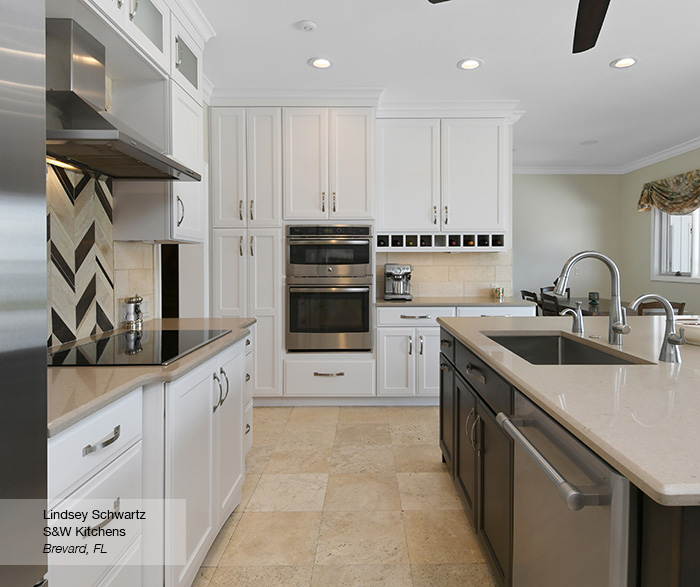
(575, 499)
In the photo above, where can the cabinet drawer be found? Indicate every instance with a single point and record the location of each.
(447, 345)
(120, 481)
(329, 378)
(82, 450)
(247, 379)
(247, 427)
(412, 315)
(495, 391)
(127, 572)
(496, 310)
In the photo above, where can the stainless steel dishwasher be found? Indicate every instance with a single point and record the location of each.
(571, 509)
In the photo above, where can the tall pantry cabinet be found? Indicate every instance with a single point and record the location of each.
(246, 220)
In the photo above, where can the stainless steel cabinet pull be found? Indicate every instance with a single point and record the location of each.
(120, 3)
(408, 317)
(321, 374)
(252, 250)
(476, 423)
(218, 381)
(410, 345)
(434, 214)
(445, 368)
(466, 426)
(105, 442)
(445, 343)
(178, 49)
(474, 373)
(132, 14)
(334, 203)
(240, 245)
(247, 428)
(103, 523)
(247, 377)
(446, 215)
(228, 385)
(252, 214)
(575, 499)
(240, 209)
(323, 201)
(420, 347)
(181, 205)
(247, 340)
(328, 289)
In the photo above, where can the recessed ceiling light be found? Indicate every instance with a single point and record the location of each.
(307, 25)
(470, 63)
(588, 143)
(319, 62)
(623, 62)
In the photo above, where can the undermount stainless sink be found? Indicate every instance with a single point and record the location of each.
(555, 349)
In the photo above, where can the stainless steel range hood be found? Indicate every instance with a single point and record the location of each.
(79, 130)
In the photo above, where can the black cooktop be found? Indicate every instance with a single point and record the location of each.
(148, 347)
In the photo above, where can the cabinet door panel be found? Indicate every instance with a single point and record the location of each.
(465, 459)
(409, 174)
(396, 371)
(228, 167)
(148, 24)
(428, 364)
(306, 163)
(473, 190)
(447, 414)
(264, 154)
(229, 272)
(351, 157)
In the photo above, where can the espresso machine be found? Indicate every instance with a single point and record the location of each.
(397, 282)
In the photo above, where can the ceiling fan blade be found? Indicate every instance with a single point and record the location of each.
(589, 21)
(436, 1)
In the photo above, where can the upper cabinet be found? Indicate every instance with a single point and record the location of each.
(328, 171)
(148, 24)
(185, 60)
(448, 175)
(246, 164)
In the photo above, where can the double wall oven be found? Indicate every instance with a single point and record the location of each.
(329, 288)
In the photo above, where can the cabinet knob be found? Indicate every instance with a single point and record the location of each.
(247, 428)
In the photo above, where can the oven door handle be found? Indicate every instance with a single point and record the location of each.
(328, 289)
(323, 241)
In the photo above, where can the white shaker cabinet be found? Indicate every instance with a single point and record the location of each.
(186, 60)
(246, 163)
(247, 281)
(148, 24)
(328, 163)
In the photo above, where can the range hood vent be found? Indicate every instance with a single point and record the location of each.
(79, 130)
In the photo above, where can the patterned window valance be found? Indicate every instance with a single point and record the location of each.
(679, 194)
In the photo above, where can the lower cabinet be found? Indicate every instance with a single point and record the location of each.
(480, 452)
(203, 460)
(328, 376)
(408, 361)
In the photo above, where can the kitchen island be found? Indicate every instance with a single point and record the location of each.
(639, 417)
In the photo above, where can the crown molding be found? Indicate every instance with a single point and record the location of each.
(190, 10)
(294, 97)
(504, 109)
(207, 89)
(661, 156)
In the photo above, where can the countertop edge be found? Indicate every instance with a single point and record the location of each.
(146, 375)
(463, 302)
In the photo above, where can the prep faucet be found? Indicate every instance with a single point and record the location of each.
(670, 353)
(618, 316)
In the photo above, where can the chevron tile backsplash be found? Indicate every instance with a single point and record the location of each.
(81, 256)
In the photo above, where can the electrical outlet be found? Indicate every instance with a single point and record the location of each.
(146, 308)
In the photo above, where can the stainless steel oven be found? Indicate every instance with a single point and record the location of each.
(329, 288)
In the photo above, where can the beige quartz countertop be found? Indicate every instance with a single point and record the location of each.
(455, 301)
(644, 419)
(76, 392)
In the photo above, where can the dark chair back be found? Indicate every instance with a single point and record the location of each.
(648, 308)
(550, 305)
(550, 290)
(531, 296)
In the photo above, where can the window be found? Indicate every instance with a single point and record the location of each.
(676, 255)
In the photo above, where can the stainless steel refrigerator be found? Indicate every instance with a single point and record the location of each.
(23, 331)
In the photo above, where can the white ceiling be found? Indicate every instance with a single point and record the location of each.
(410, 48)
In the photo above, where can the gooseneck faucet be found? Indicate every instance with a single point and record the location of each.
(618, 317)
(670, 353)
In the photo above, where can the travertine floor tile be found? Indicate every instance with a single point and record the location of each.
(263, 576)
(362, 491)
(418, 458)
(362, 538)
(428, 491)
(469, 575)
(273, 538)
(440, 537)
(362, 459)
(289, 493)
(425, 433)
(300, 461)
(267, 434)
(257, 457)
(362, 415)
(307, 439)
(271, 416)
(221, 542)
(362, 434)
(314, 415)
(415, 414)
(203, 577)
(365, 575)
(249, 485)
